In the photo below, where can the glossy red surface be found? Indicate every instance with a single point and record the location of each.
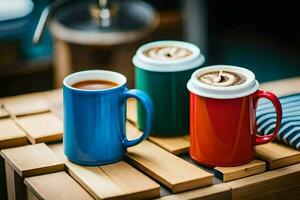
(223, 131)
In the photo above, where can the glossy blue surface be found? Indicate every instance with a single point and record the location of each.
(94, 123)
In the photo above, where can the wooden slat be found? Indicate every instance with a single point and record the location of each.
(277, 155)
(55, 186)
(10, 181)
(95, 181)
(25, 104)
(32, 160)
(55, 99)
(215, 192)
(3, 113)
(233, 173)
(44, 127)
(26, 161)
(175, 145)
(3, 192)
(16, 189)
(30, 195)
(10, 134)
(132, 110)
(115, 181)
(172, 171)
(139, 186)
(283, 87)
(283, 183)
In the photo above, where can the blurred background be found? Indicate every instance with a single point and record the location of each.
(104, 34)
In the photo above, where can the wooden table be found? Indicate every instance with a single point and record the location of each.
(33, 166)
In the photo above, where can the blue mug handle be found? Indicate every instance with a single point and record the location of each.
(148, 105)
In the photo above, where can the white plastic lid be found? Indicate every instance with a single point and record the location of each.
(13, 9)
(196, 59)
(231, 92)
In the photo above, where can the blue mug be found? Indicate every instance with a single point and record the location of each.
(95, 120)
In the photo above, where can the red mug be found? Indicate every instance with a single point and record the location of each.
(223, 130)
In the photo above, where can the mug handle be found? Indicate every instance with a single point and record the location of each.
(148, 105)
(276, 103)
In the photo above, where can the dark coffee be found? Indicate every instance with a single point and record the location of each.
(167, 53)
(222, 78)
(94, 85)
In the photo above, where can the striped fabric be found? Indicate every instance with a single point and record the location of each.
(290, 125)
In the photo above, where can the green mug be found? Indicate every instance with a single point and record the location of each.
(162, 70)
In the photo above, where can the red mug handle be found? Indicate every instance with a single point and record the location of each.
(276, 103)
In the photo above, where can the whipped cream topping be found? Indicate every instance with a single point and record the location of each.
(167, 53)
(222, 78)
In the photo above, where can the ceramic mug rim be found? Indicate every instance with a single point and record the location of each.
(85, 75)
